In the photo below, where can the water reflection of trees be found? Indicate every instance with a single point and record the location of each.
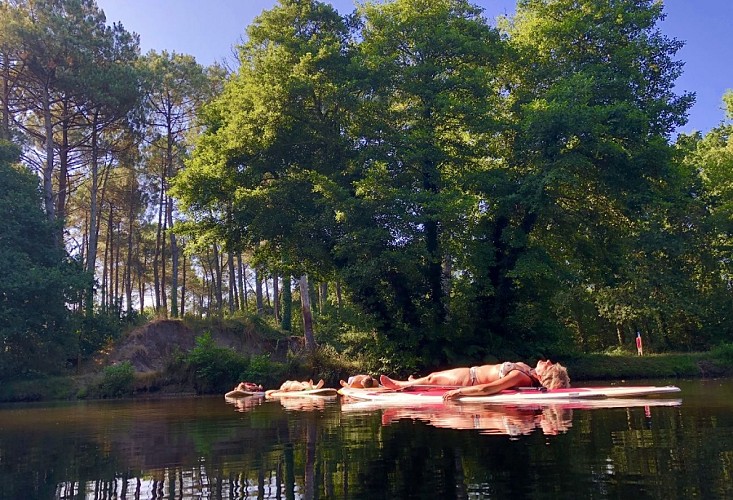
(270, 451)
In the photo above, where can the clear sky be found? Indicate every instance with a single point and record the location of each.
(209, 29)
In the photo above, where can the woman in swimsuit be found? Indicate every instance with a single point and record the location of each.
(489, 379)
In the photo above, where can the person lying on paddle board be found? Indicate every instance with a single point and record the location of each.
(360, 382)
(486, 380)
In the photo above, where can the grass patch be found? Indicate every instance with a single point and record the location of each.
(614, 367)
(40, 389)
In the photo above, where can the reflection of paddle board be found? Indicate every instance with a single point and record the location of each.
(565, 404)
(311, 393)
(237, 394)
(424, 394)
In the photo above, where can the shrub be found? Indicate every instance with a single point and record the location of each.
(214, 368)
(262, 370)
(117, 381)
(724, 354)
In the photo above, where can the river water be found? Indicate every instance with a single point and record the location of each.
(678, 446)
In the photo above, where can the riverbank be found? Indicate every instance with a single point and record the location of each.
(710, 364)
(586, 367)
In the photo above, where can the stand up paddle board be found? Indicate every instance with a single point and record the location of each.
(311, 393)
(238, 394)
(432, 395)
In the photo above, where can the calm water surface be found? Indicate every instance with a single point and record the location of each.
(677, 447)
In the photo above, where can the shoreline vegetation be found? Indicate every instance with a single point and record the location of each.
(213, 366)
(395, 190)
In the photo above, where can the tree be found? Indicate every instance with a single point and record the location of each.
(709, 160)
(176, 87)
(38, 278)
(271, 138)
(430, 105)
(592, 90)
(53, 52)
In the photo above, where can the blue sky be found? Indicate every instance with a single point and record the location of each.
(208, 30)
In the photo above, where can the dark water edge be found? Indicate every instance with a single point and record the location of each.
(208, 448)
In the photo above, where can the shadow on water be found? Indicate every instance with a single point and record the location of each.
(212, 448)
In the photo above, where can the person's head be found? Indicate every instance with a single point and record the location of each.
(552, 375)
(361, 382)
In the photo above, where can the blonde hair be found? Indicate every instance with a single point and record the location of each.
(555, 377)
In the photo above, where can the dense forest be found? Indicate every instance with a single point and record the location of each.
(422, 186)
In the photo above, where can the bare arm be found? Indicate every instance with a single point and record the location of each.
(513, 379)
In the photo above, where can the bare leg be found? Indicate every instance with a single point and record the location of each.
(454, 377)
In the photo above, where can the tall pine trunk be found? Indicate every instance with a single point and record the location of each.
(287, 303)
(156, 254)
(241, 281)
(258, 290)
(174, 261)
(93, 216)
(48, 167)
(232, 282)
(276, 297)
(305, 307)
(218, 280)
(183, 286)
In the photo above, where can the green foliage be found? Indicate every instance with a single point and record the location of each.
(38, 279)
(38, 389)
(724, 353)
(94, 333)
(262, 370)
(214, 368)
(624, 366)
(116, 381)
(477, 193)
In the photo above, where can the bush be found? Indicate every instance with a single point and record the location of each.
(117, 381)
(214, 368)
(724, 354)
(39, 389)
(262, 370)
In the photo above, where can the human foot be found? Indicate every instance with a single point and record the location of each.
(388, 382)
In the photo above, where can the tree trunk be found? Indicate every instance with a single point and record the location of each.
(118, 296)
(106, 265)
(93, 215)
(323, 296)
(241, 280)
(174, 245)
(156, 254)
(287, 302)
(305, 306)
(339, 299)
(232, 282)
(164, 264)
(63, 175)
(48, 167)
(128, 264)
(174, 261)
(258, 290)
(5, 122)
(183, 286)
(142, 281)
(276, 297)
(218, 283)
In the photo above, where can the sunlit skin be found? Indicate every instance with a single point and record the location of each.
(487, 379)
